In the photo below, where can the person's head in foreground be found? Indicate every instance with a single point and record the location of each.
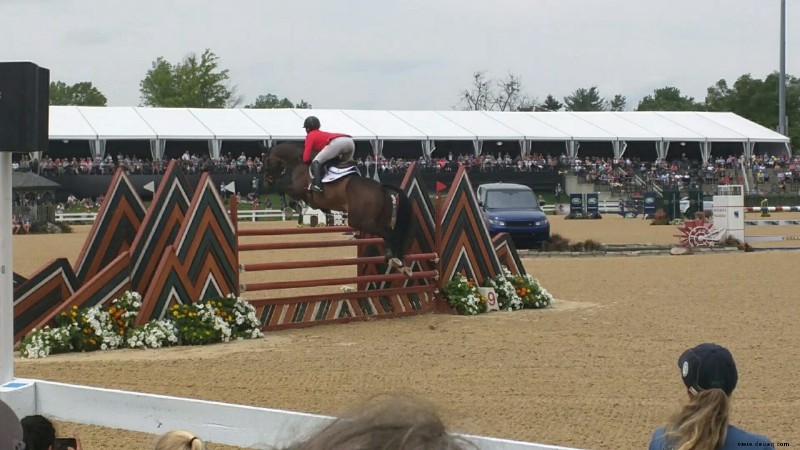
(180, 440)
(39, 432)
(10, 429)
(710, 376)
(386, 423)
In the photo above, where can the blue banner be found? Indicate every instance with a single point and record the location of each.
(575, 203)
(592, 203)
(649, 203)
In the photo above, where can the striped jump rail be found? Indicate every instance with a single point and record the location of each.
(774, 223)
(752, 209)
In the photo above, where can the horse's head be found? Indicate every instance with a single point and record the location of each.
(280, 160)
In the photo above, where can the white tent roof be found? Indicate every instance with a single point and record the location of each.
(175, 123)
(282, 124)
(573, 125)
(617, 126)
(384, 124)
(529, 127)
(482, 125)
(661, 126)
(752, 130)
(707, 128)
(229, 124)
(113, 122)
(68, 123)
(87, 123)
(434, 126)
(334, 120)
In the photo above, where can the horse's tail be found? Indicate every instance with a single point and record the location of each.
(398, 238)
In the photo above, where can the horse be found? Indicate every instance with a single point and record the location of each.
(371, 208)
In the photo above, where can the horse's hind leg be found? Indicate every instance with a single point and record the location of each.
(371, 227)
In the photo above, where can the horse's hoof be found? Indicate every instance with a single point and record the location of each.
(407, 271)
(396, 263)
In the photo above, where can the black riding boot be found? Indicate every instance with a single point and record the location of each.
(316, 172)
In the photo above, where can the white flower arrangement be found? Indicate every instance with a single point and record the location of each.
(537, 295)
(42, 342)
(462, 294)
(154, 335)
(111, 327)
(507, 297)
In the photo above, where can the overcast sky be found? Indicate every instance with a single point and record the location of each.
(409, 54)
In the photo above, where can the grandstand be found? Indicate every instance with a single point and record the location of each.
(618, 152)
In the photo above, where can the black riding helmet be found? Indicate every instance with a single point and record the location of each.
(311, 123)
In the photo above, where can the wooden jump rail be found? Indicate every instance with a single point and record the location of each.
(331, 262)
(336, 281)
(298, 230)
(308, 244)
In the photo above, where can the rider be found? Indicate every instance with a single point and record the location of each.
(329, 146)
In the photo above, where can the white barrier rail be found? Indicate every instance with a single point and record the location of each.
(224, 423)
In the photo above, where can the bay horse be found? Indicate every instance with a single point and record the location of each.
(372, 208)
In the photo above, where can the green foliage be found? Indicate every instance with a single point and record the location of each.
(107, 327)
(618, 103)
(79, 94)
(669, 99)
(757, 100)
(550, 104)
(585, 100)
(462, 295)
(192, 83)
(558, 243)
(271, 101)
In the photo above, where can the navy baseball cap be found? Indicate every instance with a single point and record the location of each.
(708, 366)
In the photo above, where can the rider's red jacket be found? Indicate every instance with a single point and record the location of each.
(316, 140)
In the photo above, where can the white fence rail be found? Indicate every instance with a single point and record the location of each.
(277, 214)
(247, 215)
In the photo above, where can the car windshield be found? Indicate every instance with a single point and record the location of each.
(511, 199)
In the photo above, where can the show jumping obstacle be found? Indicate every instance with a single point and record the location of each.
(729, 220)
(398, 296)
(185, 247)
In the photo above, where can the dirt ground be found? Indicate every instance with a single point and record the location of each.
(596, 371)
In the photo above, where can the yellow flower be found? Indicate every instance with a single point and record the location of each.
(175, 313)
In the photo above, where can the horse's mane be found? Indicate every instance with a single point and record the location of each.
(287, 152)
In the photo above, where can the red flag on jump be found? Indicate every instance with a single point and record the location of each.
(440, 186)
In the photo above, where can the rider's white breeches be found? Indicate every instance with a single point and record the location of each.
(340, 146)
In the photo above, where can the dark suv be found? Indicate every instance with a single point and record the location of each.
(514, 209)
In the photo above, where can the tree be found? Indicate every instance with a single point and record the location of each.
(618, 103)
(478, 96)
(509, 96)
(585, 100)
(757, 100)
(669, 99)
(79, 94)
(271, 101)
(550, 104)
(488, 94)
(192, 83)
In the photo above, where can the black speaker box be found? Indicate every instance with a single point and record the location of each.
(24, 107)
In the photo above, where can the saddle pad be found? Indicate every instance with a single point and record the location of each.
(334, 173)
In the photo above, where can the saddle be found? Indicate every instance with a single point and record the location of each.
(335, 169)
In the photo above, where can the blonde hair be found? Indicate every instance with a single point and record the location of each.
(180, 440)
(702, 424)
(392, 422)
